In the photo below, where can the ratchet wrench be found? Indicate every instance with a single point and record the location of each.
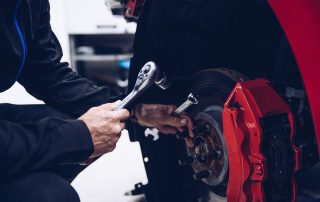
(148, 75)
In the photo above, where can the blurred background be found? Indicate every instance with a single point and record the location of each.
(96, 44)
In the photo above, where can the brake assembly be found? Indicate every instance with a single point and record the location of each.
(259, 131)
(243, 148)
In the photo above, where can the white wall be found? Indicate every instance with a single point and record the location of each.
(59, 25)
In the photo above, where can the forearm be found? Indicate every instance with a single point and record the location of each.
(61, 88)
(30, 147)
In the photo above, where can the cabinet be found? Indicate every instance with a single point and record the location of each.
(100, 43)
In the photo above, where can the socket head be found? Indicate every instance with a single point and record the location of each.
(147, 76)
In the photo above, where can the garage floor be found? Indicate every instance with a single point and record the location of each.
(111, 176)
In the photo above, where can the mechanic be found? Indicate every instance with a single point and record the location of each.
(41, 146)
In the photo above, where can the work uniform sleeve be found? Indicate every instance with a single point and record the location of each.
(48, 79)
(27, 148)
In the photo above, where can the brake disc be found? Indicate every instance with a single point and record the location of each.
(209, 155)
(210, 149)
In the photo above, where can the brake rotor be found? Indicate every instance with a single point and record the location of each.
(210, 155)
(210, 148)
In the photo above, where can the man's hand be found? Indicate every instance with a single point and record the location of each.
(105, 127)
(160, 117)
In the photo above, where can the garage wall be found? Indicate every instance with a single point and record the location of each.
(59, 25)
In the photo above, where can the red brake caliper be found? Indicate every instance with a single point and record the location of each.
(259, 130)
(133, 9)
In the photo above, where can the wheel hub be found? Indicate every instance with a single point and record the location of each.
(209, 152)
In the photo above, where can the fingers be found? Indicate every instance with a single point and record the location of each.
(118, 128)
(189, 124)
(122, 126)
(107, 111)
(122, 114)
(179, 123)
(173, 121)
(110, 106)
(169, 109)
(189, 142)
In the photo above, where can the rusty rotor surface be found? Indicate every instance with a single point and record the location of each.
(209, 151)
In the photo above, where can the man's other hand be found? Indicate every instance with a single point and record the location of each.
(105, 126)
(160, 117)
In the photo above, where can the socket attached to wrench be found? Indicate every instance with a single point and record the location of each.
(148, 75)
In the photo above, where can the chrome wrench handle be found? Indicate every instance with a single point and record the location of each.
(129, 98)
